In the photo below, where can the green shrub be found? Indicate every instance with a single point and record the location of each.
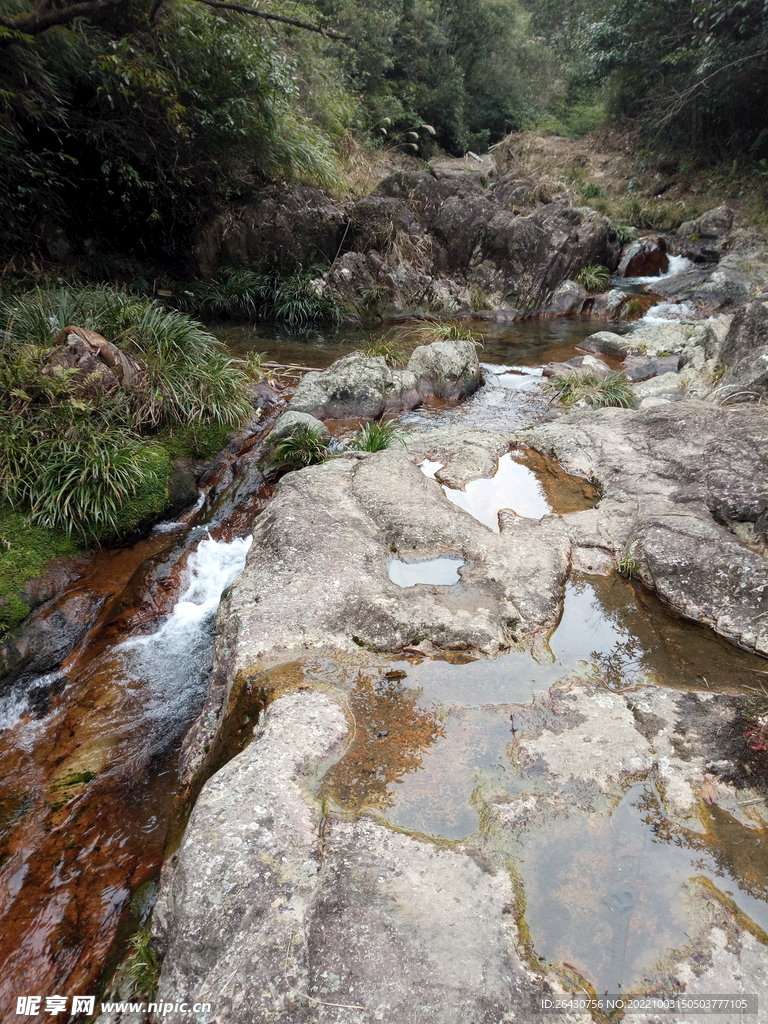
(306, 446)
(615, 390)
(247, 295)
(86, 462)
(376, 436)
(591, 190)
(594, 277)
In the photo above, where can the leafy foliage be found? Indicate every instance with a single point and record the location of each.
(86, 462)
(692, 74)
(135, 124)
(471, 69)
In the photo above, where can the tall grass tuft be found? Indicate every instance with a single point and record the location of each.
(594, 277)
(376, 436)
(445, 330)
(615, 390)
(306, 446)
(235, 294)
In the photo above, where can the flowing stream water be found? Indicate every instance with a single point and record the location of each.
(88, 752)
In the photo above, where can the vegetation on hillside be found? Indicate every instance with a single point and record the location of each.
(87, 459)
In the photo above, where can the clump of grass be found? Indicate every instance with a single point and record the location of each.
(631, 309)
(142, 966)
(591, 190)
(306, 446)
(445, 330)
(625, 233)
(246, 295)
(628, 564)
(376, 436)
(86, 460)
(594, 277)
(615, 390)
(390, 350)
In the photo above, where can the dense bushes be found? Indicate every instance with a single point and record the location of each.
(124, 128)
(244, 294)
(88, 460)
(469, 68)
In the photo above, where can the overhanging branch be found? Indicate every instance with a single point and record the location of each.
(44, 18)
(245, 9)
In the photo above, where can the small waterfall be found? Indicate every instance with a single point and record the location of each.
(173, 664)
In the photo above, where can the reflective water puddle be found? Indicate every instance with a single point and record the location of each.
(610, 893)
(608, 886)
(436, 572)
(610, 633)
(527, 483)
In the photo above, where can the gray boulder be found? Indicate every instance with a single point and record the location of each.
(355, 387)
(363, 387)
(526, 258)
(640, 368)
(703, 238)
(279, 229)
(446, 369)
(666, 385)
(745, 351)
(567, 299)
(677, 478)
(290, 422)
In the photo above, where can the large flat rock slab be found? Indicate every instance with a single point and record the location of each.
(272, 913)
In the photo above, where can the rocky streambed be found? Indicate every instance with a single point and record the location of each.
(456, 763)
(449, 760)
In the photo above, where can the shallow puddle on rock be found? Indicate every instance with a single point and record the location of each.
(527, 483)
(436, 572)
(611, 633)
(513, 486)
(610, 894)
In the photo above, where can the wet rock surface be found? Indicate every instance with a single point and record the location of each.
(675, 478)
(590, 847)
(274, 910)
(646, 257)
(276, 914)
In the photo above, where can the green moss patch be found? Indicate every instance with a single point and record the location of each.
(24, 553)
